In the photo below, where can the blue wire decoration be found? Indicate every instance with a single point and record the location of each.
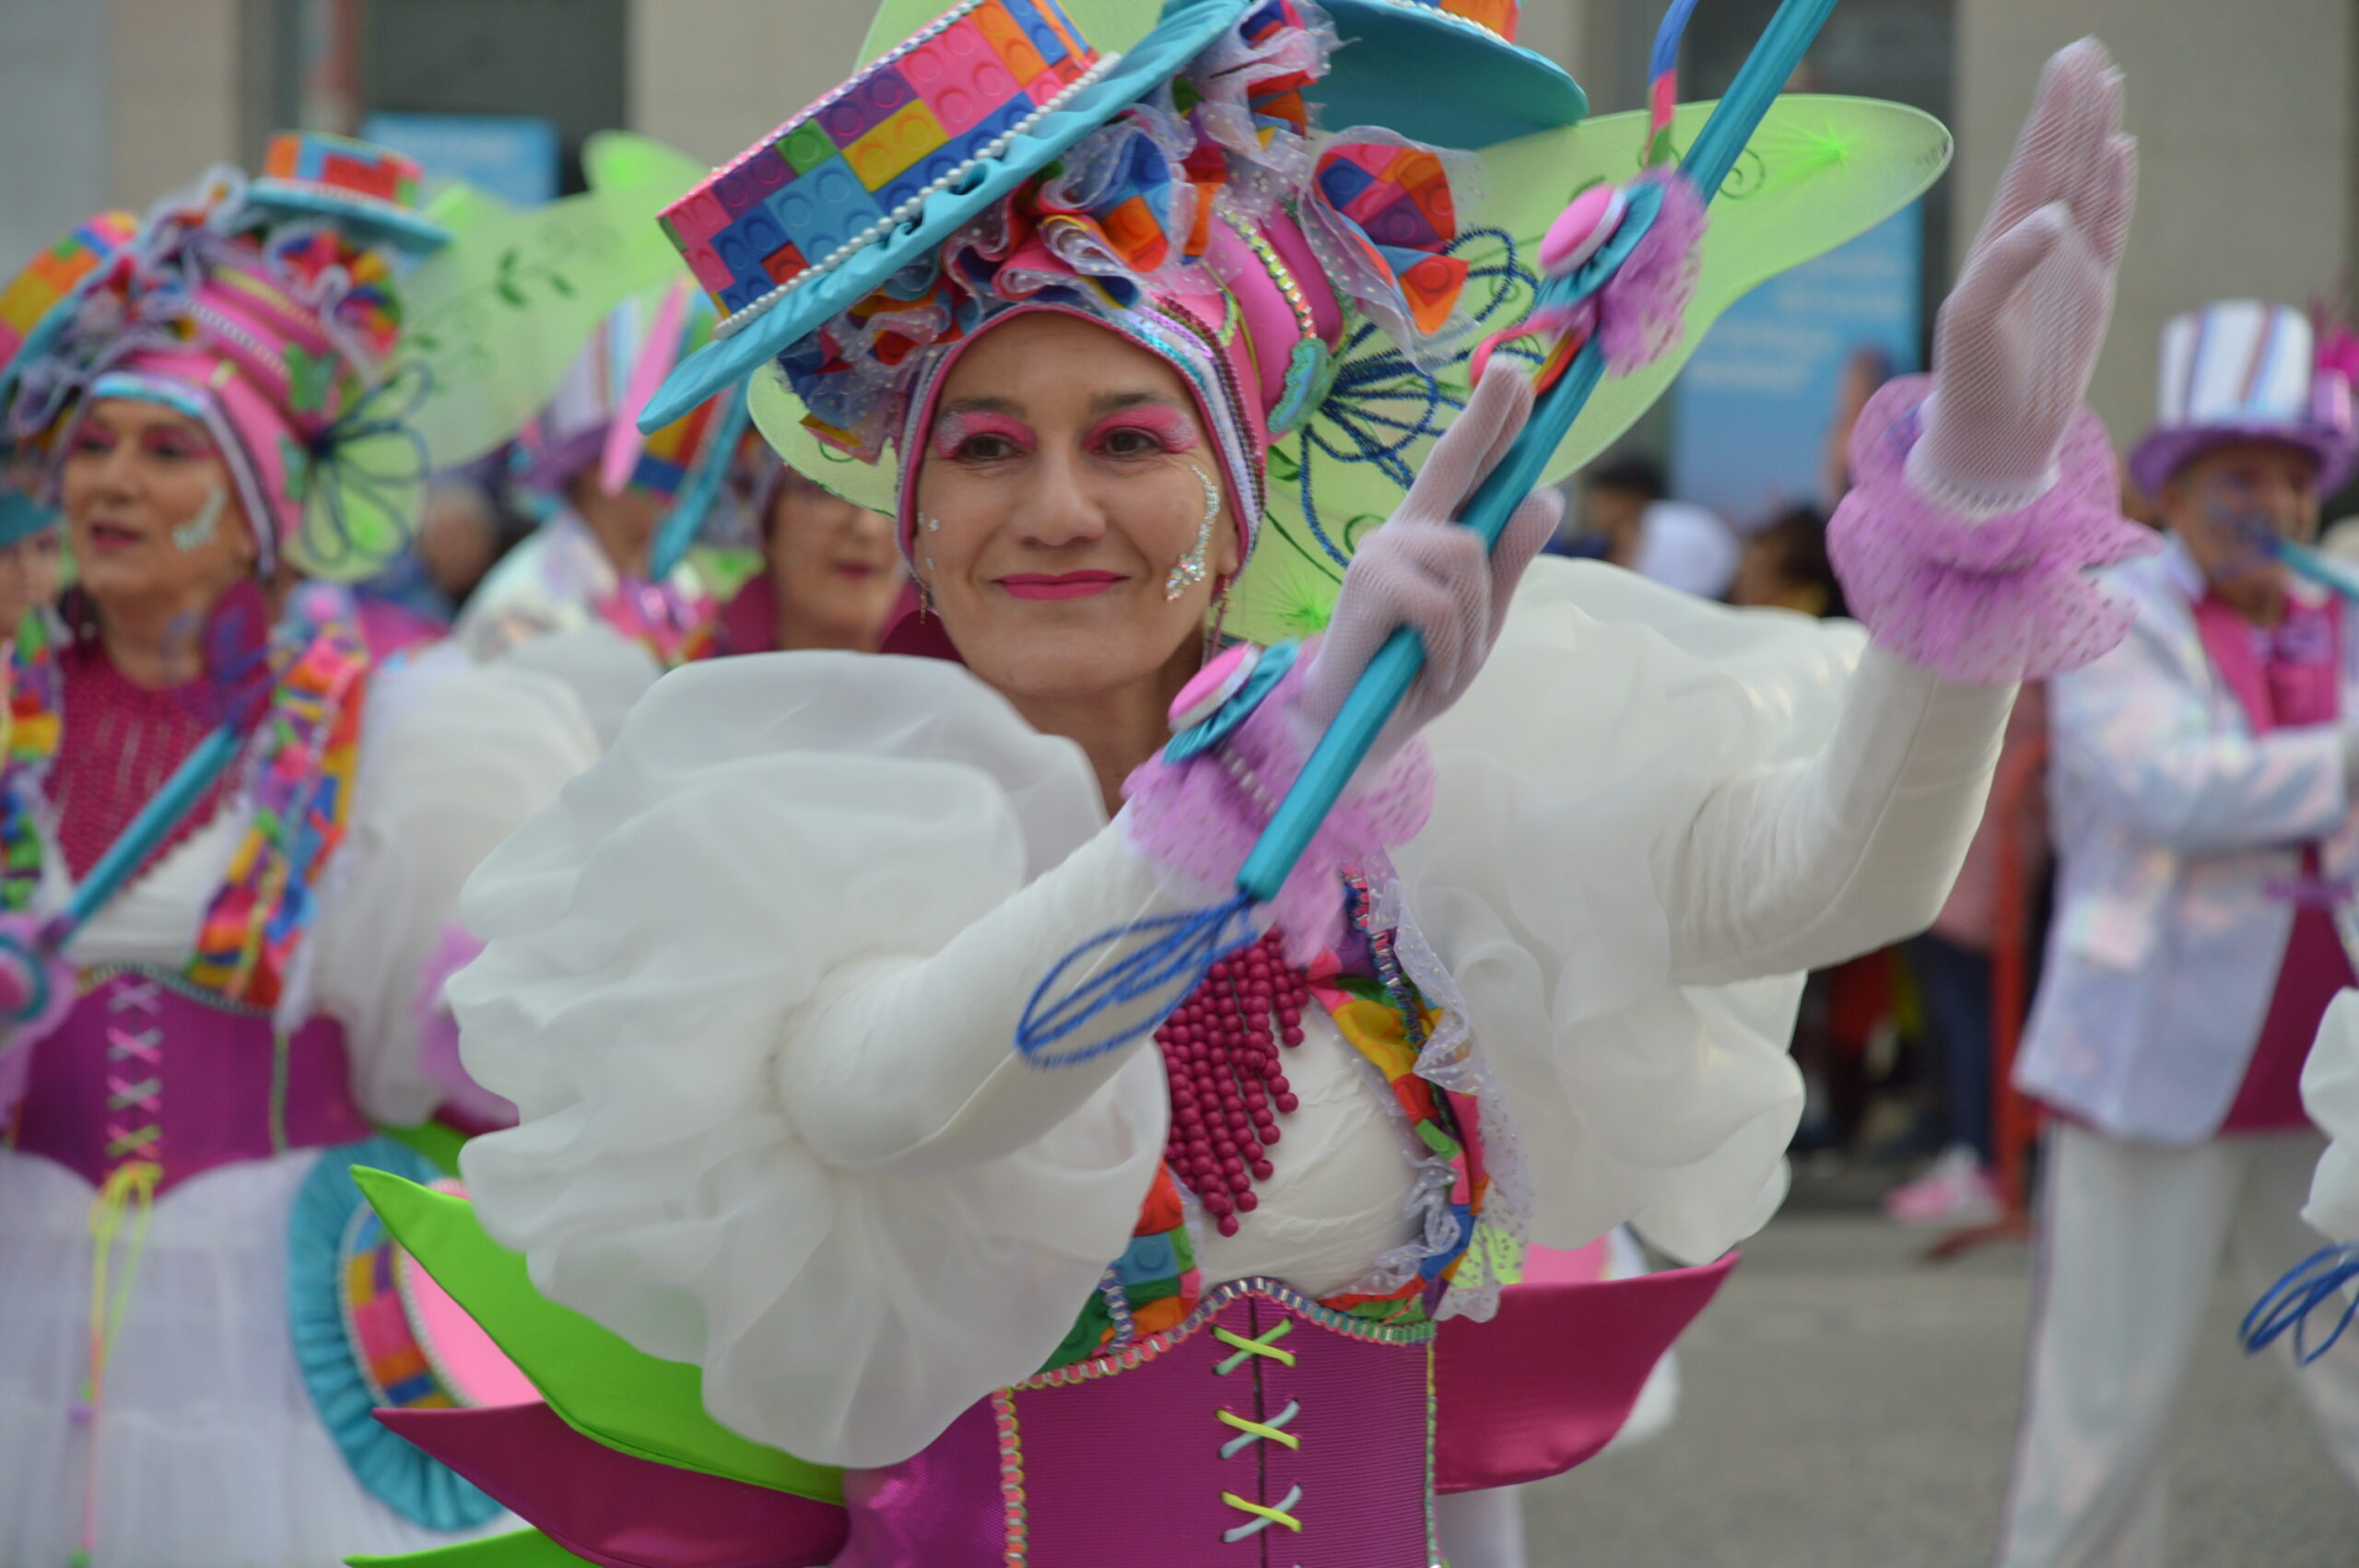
(1172, 955)
(2287, 1305)
(1178, 950)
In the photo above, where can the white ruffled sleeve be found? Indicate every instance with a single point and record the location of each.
(453, 757)
(2330, 1093)
(1647, 823)
(606, 670)
(752, 985)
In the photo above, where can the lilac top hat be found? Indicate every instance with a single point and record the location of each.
(2242, 371)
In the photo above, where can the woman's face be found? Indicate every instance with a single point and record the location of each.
(1065, 476)
(151, 510)
(833, 563)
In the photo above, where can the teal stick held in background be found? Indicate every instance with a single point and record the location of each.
(164, 810)
(2306, 560)
(1395, 666)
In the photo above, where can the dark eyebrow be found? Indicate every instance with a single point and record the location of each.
(983, 405)
(1114, 402)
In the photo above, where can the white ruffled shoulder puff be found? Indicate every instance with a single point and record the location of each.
(666, 933)
(1549, 885)
(2330, 1093)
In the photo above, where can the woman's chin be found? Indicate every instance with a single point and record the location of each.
(1056, 668)
(107, 578)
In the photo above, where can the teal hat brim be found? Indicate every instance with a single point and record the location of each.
(1186, 29)
(21, 517)
(377, 222)
(1473, 87)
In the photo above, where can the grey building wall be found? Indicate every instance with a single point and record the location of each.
(54, 132)
(2248, 140)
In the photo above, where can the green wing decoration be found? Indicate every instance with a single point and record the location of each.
(518, 1549)
(602, 1387)
(497, 317)
(613, 161)
(1819, 171)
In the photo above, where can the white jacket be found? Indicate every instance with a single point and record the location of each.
(2171, 819)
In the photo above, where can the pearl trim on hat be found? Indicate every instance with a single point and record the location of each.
(731, 325)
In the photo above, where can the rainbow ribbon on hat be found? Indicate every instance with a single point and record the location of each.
(1173, 953)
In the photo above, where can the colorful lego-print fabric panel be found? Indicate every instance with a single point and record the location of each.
(906, 125)
(52, 277)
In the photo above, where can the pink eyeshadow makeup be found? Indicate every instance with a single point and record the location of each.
(953, 431)
(1170, 426)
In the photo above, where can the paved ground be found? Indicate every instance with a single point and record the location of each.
(1849, 1407)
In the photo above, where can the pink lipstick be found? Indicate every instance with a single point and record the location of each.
(1060, 585)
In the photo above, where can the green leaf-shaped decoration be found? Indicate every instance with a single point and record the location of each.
(497, 316)
(602, 1387)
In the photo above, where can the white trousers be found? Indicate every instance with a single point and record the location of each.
(2132, 1237)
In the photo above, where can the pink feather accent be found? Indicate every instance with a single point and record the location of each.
(1201, 818)
(1642, 310)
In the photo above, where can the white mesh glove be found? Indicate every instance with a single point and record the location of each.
(2018, 337)
(1423, 569)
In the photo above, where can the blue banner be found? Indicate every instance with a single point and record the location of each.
(513, 157)
(1760, 413)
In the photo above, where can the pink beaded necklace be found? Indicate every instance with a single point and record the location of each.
(1220, 1053)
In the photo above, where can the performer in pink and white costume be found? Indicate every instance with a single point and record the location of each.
(1610, 827)
(2202, 784)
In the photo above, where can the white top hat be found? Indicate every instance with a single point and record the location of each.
(2240, 369)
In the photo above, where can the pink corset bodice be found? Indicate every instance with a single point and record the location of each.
(1265, 1428)
(147, 1067)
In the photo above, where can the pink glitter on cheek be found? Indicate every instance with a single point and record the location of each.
(1171, 428)
(953, 431)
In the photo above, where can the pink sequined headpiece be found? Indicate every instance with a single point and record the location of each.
(264, 309)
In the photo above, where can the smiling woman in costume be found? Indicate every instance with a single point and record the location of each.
(228, 844)
(1138, 357)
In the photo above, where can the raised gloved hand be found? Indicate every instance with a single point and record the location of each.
(2019, 336)
(1423, 569)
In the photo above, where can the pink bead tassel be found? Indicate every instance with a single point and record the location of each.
(1220, 1052)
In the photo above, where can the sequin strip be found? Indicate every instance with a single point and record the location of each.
(1017, 1528)
(1362, 903)
(1294, 1301)
(305, 755)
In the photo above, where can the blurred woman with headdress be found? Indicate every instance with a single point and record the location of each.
(227, 840)
(619, 500)
(829, 577)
